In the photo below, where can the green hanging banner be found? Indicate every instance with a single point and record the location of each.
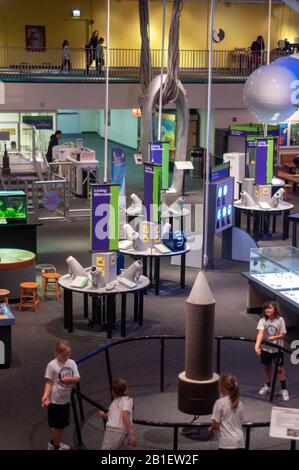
(159, 154)
(152, 191)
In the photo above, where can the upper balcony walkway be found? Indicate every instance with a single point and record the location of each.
(19, 64)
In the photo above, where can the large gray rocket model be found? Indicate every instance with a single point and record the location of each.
(198, 384)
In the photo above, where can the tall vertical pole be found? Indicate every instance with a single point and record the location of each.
(161, 73)
(269, 32)
(268, 50)
(208, 131)
(107, 92)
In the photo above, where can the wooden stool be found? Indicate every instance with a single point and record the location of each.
(50, 285)
(4, 293)
(29, 295)
(288, 194)
(45, 268)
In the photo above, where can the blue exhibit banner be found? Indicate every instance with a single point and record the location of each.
(283, 134)
(118, 166)
(40, 122)
(155, 152)
(104, 217)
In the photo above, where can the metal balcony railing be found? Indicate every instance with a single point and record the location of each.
(21, 64)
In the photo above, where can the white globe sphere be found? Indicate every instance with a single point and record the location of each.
(268, 92)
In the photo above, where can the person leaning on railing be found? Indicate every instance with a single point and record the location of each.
(257, 48)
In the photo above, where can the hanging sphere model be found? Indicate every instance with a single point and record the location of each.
(268, 93)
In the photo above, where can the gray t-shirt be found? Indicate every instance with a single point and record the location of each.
(272, 328)
(61, 393)
(230, 432)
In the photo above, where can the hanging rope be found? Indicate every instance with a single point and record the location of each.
(170, 89)
(145, 56)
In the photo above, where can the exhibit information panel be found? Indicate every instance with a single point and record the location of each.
(104, 217)
(221, 197)
(284, 423)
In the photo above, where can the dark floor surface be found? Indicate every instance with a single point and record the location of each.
(23, 423)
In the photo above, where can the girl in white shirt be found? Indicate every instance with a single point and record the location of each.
(227, 416)
(271, 328)
(119, 419)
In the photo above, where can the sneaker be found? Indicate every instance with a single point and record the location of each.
(64, 446)
(284, 395)
(61, 447)
(264, 390)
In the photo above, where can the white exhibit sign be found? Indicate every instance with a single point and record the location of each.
(284, 423)
(184, 165)
(138, 158)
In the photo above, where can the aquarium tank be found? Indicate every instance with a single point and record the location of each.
(13, 206)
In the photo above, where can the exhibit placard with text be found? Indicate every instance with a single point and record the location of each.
(104, 217)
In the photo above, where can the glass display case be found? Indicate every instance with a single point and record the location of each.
(276, 267)
(13, 207)
(25, 148)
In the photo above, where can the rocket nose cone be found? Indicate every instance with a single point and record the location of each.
(201, 293)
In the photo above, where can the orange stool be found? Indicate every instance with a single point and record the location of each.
(50, 285)
(29, 295)
(45, 268)
(4, 293)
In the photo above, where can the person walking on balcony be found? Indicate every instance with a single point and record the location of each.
(272, 329)
(257, 48)
(66, 56)
(93, 43)
(100, 56)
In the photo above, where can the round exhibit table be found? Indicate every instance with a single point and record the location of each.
(16, 266)
(261, 219)
(103, 301)
(154, 254)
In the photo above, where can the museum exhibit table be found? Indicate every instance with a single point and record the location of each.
(18, 235)
(103, 300)
(6, 321)
(261, 219)
(153, 254)
(274, 274)
(16, 266)
(80, 166)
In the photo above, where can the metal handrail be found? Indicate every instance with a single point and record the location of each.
(77, 392)
(21, 63)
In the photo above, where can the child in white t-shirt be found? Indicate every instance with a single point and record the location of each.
(227, 416)
(119, 419)
(61, 374)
